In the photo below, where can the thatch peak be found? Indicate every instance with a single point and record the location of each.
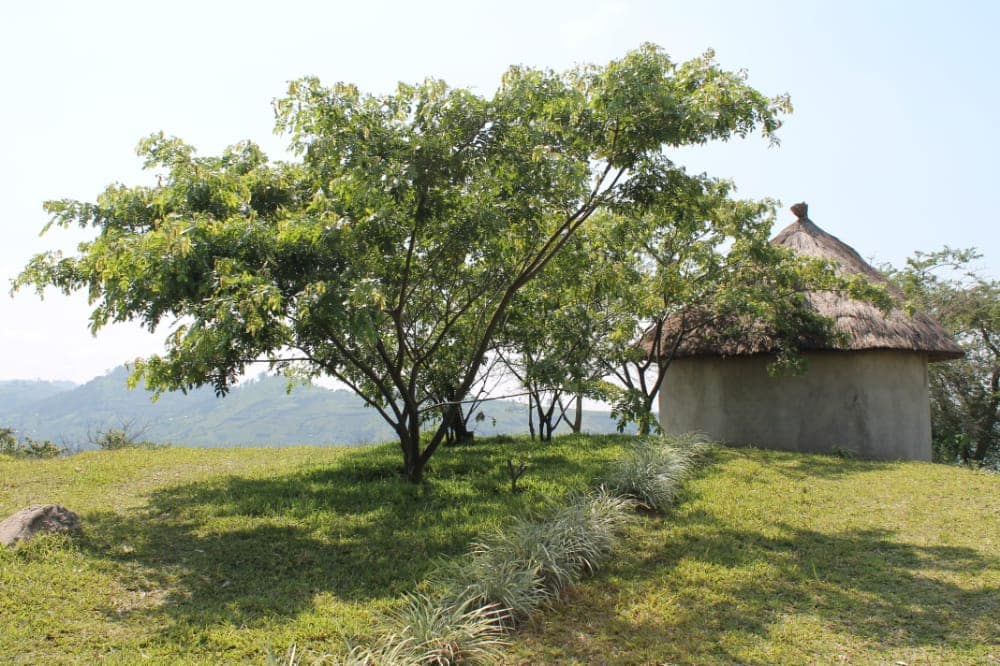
(804, 237)
(866, 327)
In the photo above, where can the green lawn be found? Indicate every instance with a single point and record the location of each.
(781, 558)
(207, 556)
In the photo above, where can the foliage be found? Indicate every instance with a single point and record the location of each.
(654, 469)
(435, 634)
(125, 436)
(965, 394)
(572, 541)
(515, 589)
(707, 268)
(26, 447)
(389, 254)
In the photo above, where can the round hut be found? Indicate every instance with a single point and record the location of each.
(867, 395)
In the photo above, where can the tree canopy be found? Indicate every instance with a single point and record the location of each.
(965, 394)
(388, 254)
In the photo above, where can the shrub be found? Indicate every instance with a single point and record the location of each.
(126, 436)
(655, 468)
(26, 447)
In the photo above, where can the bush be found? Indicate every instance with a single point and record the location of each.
(26, 447)
(126, 436)
(655, 468)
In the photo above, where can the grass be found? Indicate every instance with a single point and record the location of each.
(209, 556)
(782, 558)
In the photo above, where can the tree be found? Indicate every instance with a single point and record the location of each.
(389, 254)
(553, 335)
(965, 394)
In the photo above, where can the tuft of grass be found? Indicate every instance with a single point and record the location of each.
(514, 588)
(440, 634)
(654, 469)
(571, 541)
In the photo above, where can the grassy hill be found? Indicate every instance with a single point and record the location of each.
(259, 412)
(207, 556)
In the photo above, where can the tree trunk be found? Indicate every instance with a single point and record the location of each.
(458, 428)
(645, 423)
(531, 417)
(409, 440)
(577, 424)
(545, 426)
(413, 466)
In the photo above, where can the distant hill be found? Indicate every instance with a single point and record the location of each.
(19, 393)
(259, 412)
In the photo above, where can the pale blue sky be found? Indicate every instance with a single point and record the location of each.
(892, 141)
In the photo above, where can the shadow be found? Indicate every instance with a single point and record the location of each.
(863, 583)
(800, 466)
(241, 550)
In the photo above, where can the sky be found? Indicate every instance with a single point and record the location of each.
(892, 141)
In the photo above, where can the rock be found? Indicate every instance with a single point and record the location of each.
(38, 518)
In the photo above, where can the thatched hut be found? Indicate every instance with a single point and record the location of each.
(867, 394)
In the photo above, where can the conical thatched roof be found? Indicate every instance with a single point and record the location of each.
(866, 327)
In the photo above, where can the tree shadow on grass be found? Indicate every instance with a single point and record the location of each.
(815, 465)
(243, 550)
(863, 583)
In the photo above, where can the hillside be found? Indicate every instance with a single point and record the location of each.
(259, 412)
(209, 556)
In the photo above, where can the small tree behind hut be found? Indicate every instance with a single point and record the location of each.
(965, 393)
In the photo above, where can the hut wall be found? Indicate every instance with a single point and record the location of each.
(874, 403)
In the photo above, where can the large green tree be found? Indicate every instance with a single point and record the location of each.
(388, 254)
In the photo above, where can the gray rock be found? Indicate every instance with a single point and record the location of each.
(38, 518)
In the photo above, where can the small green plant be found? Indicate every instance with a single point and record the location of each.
(515, 588)
(655, 468)
(572, 541)
(515, 472)
(442, 634)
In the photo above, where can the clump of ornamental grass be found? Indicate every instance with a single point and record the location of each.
(516, 589)
(573, 541)
(432, 632)
(654, 470)
(388, 652)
